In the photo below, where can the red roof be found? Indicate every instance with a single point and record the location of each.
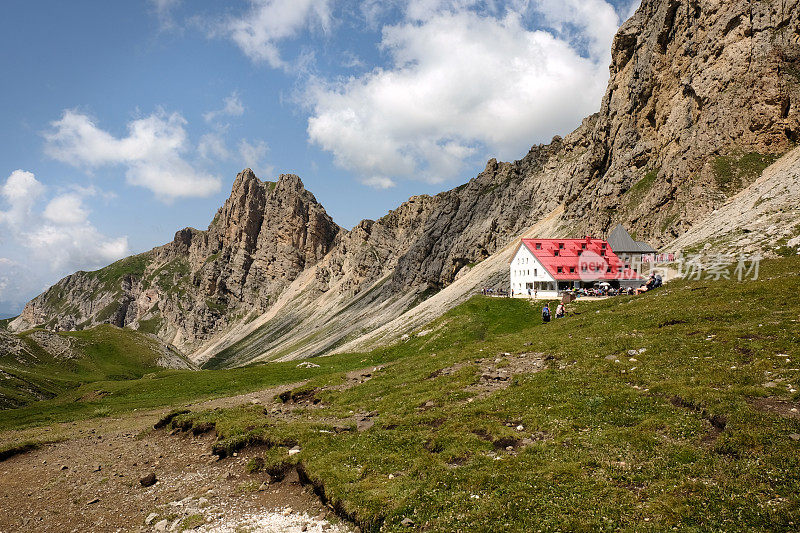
(573, 259)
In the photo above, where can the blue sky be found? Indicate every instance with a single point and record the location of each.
(123, 122)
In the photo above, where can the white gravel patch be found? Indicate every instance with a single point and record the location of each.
(283, 521)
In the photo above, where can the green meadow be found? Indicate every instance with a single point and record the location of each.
(676, 409)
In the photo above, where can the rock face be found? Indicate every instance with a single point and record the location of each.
(264, 235)
(702, 96)
(765, 216)
(696, 87)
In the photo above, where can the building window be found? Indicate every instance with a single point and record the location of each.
(580, 252)
(560, 270)
(608, 270)
(571, 270)
(555, 253)
(561, 246)
(603, 246)
(535, 271)
(583, 246)
(538, 246)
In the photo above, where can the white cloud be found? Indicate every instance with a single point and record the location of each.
(48, 237)
(252, 155)
(66, 209)
(232, 107)
(153, 152)
(259, 32)
(254, 152)
(213, 146)
(74, 246)
(21, 191)
(462, 83)
(379, 182)
(585, 23)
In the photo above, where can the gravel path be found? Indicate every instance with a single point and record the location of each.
(91, 482)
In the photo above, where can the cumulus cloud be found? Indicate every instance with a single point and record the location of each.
(153, 152)
(20, 192)
(66, 209)
(463, 81)
(50, 237)
(259, 32)
(74, 246)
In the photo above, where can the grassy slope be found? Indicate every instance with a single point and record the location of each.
(164, 388)
(103, 353)
(618, 445)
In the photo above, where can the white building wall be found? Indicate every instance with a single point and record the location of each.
(527, 273)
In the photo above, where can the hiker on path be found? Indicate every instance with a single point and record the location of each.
(546, 313)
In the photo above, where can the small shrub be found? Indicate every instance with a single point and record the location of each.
(166, 419)
(254, 465)
(192, 522)
(643, 186)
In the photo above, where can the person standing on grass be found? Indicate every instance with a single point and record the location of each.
(560, 311)
(546, 313)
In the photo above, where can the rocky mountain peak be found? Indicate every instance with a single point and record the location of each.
(290, 182)
(244, 179)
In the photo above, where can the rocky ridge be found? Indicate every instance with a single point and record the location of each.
(703, 95)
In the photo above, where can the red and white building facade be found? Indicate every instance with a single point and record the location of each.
(546, 267)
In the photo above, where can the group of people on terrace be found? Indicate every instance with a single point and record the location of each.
(602, 290)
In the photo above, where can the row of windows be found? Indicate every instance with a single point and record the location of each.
(561, 246)
(580, 252)
(536, 286)
(526, 272)
(584, 268)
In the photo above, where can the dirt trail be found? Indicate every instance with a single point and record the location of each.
(91, 482)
